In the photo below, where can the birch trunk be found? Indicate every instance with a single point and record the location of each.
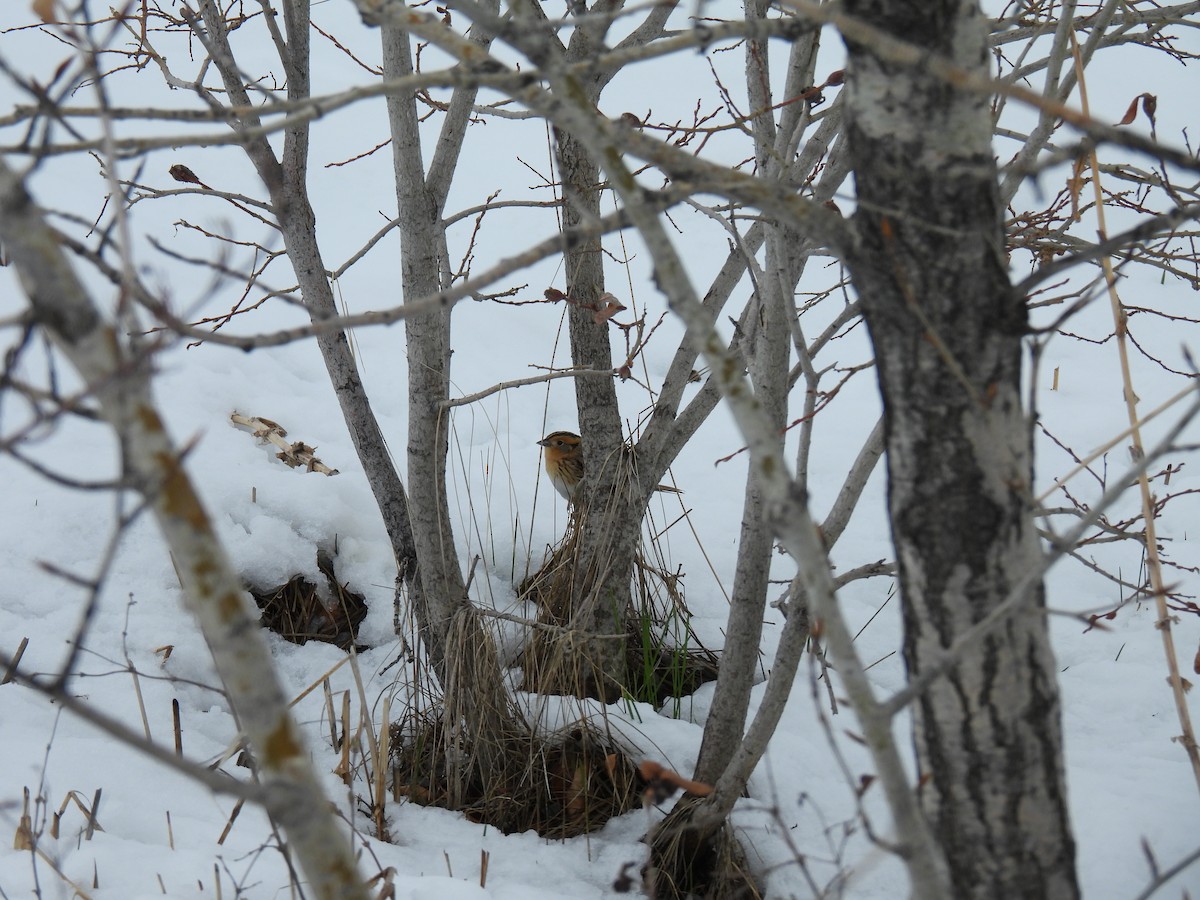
(609, 512)
(768, 365)
(610, 502)
(460, 648)
(929, 264)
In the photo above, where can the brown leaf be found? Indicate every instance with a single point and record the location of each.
(62, 67)
(183, 173)
(1196, 663)
(554, 294)
(1150, 107)
(576, 804)
(661, 782)
(44, 10)
(1131, 113)
(607, 307)
(836, 77)
(610, 765)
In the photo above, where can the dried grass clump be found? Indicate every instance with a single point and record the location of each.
(300, 611)
(664, 657)
(560, 786)
(692, 860)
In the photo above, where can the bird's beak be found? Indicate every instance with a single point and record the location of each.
(542, 442)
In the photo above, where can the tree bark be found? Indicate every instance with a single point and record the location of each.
(929, 264)
(610, 502)
(768, 364)
(608, 518)
(460, 648)
(427, 341)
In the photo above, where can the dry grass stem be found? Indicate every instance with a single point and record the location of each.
(1153, 563)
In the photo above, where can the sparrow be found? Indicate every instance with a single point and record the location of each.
(563, 455)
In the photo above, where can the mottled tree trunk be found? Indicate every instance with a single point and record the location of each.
(461, 650)
(427, 341)
(610, 503)
(609, 508)
(930, 267)
(768, 357)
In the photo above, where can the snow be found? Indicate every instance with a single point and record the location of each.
(158, 833)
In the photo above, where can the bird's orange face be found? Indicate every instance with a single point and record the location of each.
(564, 461)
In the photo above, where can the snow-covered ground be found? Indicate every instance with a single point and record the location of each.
(157, 833)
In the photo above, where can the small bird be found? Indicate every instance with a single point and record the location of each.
(564, 461)
(563, 454)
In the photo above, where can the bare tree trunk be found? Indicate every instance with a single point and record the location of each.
(610, 505)
(427, 340)
(769, 356)
(212, 590)
(424, 547)
(610, 508)
(930, 267)
(461, 650)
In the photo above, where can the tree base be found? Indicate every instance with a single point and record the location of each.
(560, 786)
(661, 657)
(690, 859)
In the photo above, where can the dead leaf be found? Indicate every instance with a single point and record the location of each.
(23, 839)
(1150, 107)
(1075, 185)
(1131, 113)
(576, 804)
(44, 10)
(183, 173)
(606, 307)
(661, 782)
(610, 766)
(864, 782)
